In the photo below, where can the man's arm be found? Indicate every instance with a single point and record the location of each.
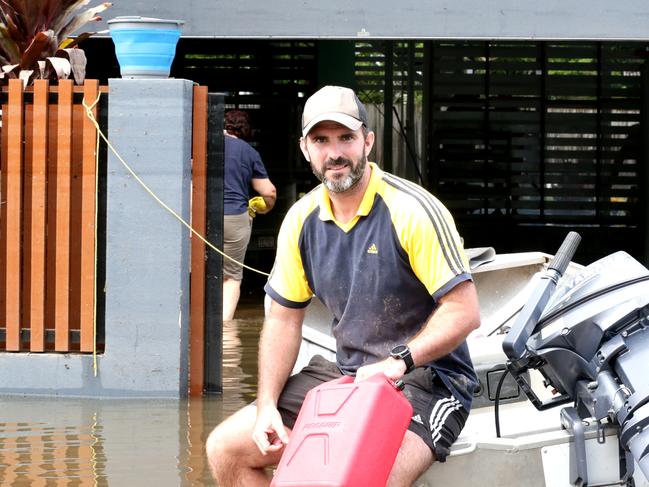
(456, 315)
(266, 190)
(279, 345)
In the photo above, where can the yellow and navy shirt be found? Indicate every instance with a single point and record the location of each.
(381, 274)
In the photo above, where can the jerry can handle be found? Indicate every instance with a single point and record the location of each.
(345, 379)
(348, 379)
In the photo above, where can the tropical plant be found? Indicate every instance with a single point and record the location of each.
(35, 40)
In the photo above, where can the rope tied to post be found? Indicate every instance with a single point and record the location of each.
(89, 113)
(91, 116)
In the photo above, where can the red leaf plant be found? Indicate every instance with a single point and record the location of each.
(36, 42)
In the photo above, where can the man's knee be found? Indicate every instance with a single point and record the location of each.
(224, 462)
(413, 459)
(231, 440)
(220, 451)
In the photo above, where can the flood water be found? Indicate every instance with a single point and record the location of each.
(126, 442)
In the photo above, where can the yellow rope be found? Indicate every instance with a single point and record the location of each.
(91, 116)
(94, 281)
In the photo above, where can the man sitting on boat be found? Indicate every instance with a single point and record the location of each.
(385, 258)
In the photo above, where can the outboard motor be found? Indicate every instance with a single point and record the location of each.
(589, 338)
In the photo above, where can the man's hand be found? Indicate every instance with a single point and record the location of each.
(392, 368)
(269, 433)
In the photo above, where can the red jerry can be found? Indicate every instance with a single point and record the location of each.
(347, 434)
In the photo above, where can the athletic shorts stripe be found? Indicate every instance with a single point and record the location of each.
(439, 417)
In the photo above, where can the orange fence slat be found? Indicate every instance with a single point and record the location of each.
(26, 219)
(50, 242)
(88, 193)
(76, 168)
(61, 185)
(13, 201)
(37, 220)
(3, 218)
(199, 186)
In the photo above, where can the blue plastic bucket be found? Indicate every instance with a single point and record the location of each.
(145, 47)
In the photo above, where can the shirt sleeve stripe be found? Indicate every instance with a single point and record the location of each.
(434, 206)
(440, 224)
(285, 302)
(465, 276)
(452, 243)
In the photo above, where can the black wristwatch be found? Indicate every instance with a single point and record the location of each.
(402, 352)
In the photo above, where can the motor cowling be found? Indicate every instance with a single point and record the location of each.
(591, 344)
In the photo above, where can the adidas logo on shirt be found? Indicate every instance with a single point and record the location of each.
(372, 249)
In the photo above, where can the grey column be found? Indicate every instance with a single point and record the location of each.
(147, 249)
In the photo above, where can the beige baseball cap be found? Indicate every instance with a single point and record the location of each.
(335, 103)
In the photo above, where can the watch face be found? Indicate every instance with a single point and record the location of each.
(399, 349)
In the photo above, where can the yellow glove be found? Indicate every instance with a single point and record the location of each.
(255, 204)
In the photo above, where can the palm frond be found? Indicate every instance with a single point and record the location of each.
(76, 58)
(39, 48)
(9, 49)
(27, 76)
(7, 68)
(71, 42)
(82, 19)
(61, 67)
(68, 9)
(31, 31)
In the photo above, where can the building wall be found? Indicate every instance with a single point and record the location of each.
(424, 19)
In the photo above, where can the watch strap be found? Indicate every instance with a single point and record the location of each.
(410, 363)
(404, 355)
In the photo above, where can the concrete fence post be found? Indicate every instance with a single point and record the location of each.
(147, 249)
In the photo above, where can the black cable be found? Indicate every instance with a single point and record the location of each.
(497, 401)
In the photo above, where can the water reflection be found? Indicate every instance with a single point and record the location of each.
(123, 442)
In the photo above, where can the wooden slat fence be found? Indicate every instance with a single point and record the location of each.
(47, 218)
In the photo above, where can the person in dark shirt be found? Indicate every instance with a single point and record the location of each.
(385, 258)
(243, 168)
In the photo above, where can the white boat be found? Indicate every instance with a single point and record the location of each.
(533, 449)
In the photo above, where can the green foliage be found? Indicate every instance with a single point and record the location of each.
(35, 38)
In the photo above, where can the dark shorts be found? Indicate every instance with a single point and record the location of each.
(437, 418)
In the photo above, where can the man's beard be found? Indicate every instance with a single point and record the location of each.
(340, 185)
